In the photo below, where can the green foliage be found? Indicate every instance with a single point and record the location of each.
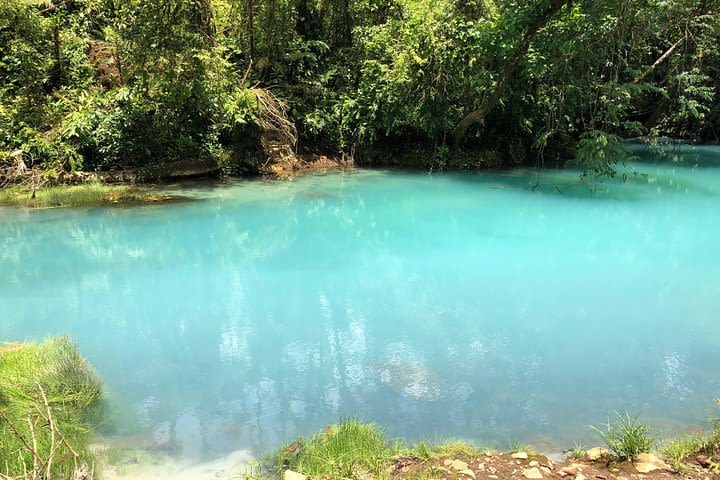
(627, 437)
(679, 449)
(92, 194)
(99, 86)
(341, 451)
(578, 451)
(39, 382)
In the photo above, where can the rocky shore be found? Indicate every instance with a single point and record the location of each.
(596, 463)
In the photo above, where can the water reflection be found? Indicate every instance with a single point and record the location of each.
(423, 303)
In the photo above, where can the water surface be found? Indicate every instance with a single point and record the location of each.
(447, 305)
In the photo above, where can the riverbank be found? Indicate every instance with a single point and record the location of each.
(359, 451)
(91, 194)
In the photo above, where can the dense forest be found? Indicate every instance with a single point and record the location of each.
(111, 84)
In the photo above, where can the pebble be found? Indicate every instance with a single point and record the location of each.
(456, 464)
(580, 476)
(520, 455)
(534, 463)
(468, 472)
(532, 473)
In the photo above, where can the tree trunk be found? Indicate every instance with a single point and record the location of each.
(250, 15)
(207, 19)
(477, 117)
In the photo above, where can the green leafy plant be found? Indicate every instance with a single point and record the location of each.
(627, 436)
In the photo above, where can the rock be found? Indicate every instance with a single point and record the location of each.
(545, 470)
(622, 478)
(492, 470)
(534, 463)
(468, 472)
(644, 467)
(532, 473)
(653, 460)
(520, 455)
(481, 467)
(456, 464)
(492, 476)
(290, 475)
(580, 476)
(597, 453)
(573, 470)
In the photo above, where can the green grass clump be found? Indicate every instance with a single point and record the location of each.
(677, 450)
(346, 450)
(627, 437)
(457, 448)
(517, 447)
(48, 393)
(578, 451)
(92, 194)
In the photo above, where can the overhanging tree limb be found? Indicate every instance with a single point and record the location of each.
(660, 60)
(489, 101)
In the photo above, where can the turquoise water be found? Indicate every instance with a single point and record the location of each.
(448, 305)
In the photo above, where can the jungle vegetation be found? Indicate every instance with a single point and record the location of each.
(115, 84)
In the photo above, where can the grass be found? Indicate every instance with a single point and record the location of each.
(347, 450)
(48, 394)
(93, 194)
(578, 451)
(677, 450)
(357, 450)
(517, 447)
(627, 437)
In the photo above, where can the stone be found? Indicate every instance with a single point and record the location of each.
(573, 470)
(580, 476)
(290, 475)
(456, 464)
(597, 453)
(492, 470)
(534, 463)
(645, 467)
(493, 476)
(533, 473)
(520, 456)
(481, 467)
(468, 472)
(653, 459)
(622, 478)
(545, 470)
